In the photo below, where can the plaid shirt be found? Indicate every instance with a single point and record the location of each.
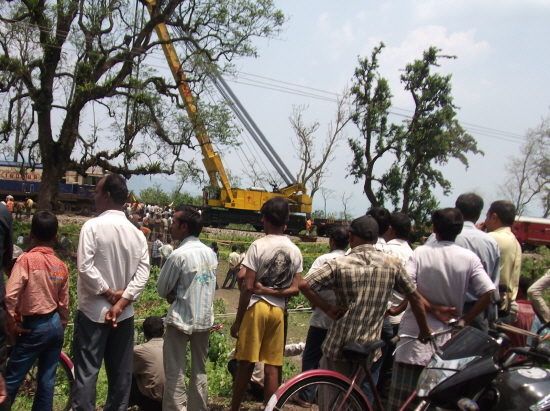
(363, 281)
(155, 248)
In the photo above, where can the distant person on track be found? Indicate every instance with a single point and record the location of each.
(234, 263)
(268, 281)
(37, 306)
(188, 282)
(9, 203)
(113, 268)
(28, 206)
(148, 375)
(6, 253)
(308, 226)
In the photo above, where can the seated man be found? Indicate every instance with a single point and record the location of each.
(148, 374)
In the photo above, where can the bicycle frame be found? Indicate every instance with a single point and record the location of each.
(65, 358)
(313, 373)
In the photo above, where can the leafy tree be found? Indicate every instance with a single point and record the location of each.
(528, 176)
(317, 214)
(69, 59)
(154, 195)
(430, 138)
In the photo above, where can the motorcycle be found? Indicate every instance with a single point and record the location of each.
(468, 374)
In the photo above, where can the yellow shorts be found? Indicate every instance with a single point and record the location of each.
(261, 336)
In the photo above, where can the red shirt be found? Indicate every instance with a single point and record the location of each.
(38, 284)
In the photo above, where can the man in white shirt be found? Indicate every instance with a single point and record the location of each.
(484, 246)
(113, 268)
(319, 321)
(442, 273)
(397, 245)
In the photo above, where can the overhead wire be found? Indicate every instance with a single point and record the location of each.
(249, 145)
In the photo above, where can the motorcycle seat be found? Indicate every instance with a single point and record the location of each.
(355, 352)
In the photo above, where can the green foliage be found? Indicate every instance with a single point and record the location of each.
(145, 128)
(220, 306)
(298, 301)
(430, 139)
(154, 195)
(317, 214)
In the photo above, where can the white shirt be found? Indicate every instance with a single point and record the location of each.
(112, 253)
(402, 250)
(442, 272)
(319, 319)
(276, 260)
(484, 246)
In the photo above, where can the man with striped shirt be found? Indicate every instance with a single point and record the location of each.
(188, 281)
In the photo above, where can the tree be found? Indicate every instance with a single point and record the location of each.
(327, 194)
(345, 200)
(430, 138)
(89, 56)
(312, 170)
(528, 175)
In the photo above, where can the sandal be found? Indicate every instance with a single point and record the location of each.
(298, 401)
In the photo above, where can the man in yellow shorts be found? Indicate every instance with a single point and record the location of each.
(273, 270)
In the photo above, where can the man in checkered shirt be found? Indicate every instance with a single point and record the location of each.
(363, 281)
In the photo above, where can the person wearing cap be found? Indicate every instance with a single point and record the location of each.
(443, 272)
(362, 281)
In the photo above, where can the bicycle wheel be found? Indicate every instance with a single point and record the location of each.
(333, 400)
(62, 390)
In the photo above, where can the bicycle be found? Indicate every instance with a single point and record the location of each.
(345, 393)
(64, 378)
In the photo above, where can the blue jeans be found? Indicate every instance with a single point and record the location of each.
(44, 344)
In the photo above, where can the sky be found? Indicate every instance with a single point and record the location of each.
(500, 80)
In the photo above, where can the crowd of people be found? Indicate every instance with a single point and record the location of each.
(371, 285)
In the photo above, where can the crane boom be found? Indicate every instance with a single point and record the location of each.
(227, 196)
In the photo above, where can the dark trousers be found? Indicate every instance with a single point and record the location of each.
(155, 261)
(311, 357)
(384, 378)
(480, 322)
(94, 342)
(387, 334)
(231, 276)
(141, 400)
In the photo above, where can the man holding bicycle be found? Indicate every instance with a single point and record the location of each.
(363, 281)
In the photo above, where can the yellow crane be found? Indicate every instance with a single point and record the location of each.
(225, 196)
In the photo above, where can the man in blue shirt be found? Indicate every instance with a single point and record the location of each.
(188, 281)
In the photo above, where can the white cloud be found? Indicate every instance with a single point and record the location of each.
(336, 38)
(462, 44)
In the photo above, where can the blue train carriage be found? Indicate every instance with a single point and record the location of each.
(76, 192)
